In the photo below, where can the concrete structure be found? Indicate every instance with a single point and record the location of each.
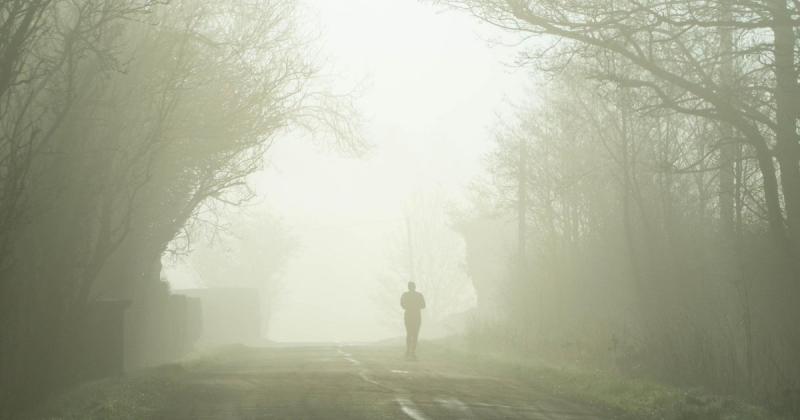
(229, 315)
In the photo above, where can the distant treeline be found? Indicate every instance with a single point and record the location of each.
(644, 211)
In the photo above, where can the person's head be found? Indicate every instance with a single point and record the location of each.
(412, 286)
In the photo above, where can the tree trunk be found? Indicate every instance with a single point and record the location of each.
(787, 149)
(522, 203)
(726, 139)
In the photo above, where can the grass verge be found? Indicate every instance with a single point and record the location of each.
(134, 396)
(627, 398)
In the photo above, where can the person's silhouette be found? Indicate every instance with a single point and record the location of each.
(413, 302)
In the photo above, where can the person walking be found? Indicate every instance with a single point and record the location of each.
(413, 303)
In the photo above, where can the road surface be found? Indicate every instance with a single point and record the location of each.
(355, 382)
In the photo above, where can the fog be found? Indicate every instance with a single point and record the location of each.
(348, 214)
(424, 209)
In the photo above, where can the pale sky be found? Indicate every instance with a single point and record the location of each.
(431, 89)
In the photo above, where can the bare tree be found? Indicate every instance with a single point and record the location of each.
(119, 120)
(668, 43)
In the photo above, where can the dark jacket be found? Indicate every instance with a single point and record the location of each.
(412, 301)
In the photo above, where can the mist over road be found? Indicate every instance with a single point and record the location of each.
(353, 382)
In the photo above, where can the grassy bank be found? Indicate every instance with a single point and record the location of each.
(125, 398)
(134, 396)
(628, 398)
